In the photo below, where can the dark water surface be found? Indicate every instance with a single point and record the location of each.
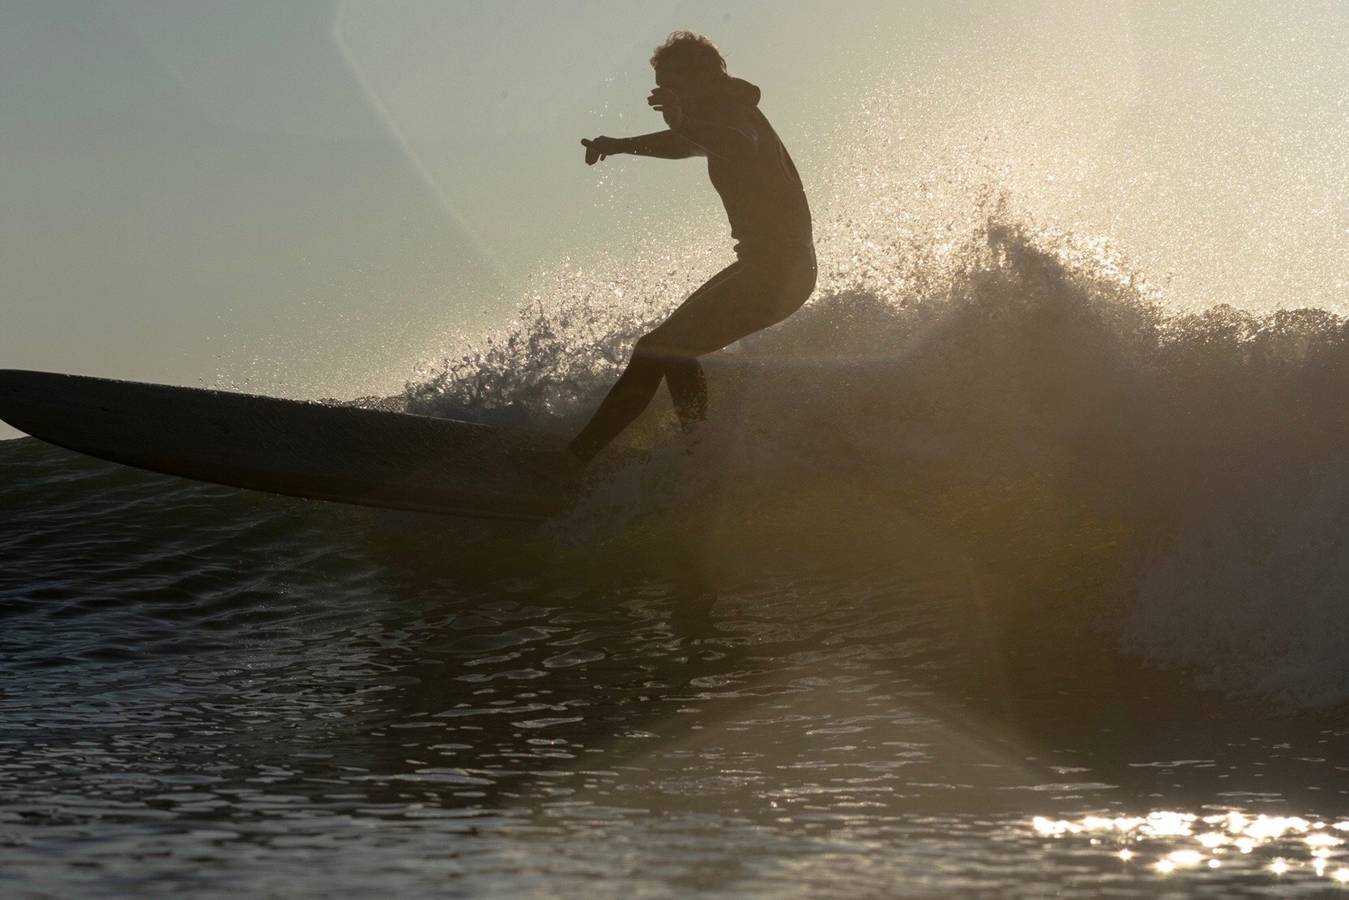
(225, 693)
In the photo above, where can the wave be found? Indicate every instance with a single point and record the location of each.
(1006, 415)
(1012, 397)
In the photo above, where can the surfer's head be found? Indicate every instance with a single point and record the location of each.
(689, 64)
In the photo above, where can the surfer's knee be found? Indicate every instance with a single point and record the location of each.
(657, 348)
(645, 346)
(652, 349)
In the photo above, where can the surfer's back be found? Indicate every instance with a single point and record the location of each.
(760, 186)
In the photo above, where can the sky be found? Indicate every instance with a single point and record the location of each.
(313, 198)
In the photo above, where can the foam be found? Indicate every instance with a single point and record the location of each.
(1021, 392)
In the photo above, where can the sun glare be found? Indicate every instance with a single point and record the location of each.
(1174, 841)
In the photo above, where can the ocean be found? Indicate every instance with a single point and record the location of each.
(990, 574)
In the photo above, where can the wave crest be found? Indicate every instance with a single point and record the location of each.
(1017, 391)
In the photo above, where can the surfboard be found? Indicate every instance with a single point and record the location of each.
(305, 449)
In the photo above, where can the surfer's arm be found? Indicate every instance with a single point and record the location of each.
(662, 145)
(727, 140)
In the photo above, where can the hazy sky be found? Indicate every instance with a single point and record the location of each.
(310, 197)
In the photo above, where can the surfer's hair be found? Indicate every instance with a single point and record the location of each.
(688, 44)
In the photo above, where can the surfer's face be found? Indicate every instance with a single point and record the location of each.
(684, 77)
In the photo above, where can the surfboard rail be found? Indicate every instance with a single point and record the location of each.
(302, 448)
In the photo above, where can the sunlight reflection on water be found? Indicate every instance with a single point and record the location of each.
(1166, 841)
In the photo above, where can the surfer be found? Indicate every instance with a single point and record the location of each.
(711, 114)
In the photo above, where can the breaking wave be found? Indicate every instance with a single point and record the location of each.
(1009, 396)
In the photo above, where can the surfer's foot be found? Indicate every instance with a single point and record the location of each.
(582, 449)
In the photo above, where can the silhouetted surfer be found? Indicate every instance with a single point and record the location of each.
(711, 114)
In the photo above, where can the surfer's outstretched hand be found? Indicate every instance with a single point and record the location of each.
(599, 148)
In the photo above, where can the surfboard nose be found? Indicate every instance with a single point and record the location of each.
(293, 447)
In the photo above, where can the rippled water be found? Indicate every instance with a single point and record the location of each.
(220, 692)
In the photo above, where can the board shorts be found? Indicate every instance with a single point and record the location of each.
(749, 295)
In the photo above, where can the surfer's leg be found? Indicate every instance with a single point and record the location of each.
(744, 298)
(624, 402)
(741, 299)
(652, 359)
(688, 388)
(748, 296)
